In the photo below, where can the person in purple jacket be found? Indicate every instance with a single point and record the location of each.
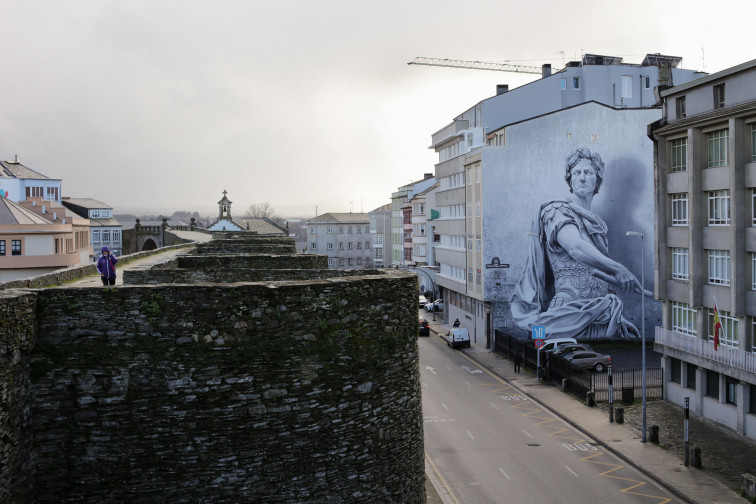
(106, 267)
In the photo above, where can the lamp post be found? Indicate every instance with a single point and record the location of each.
(433, 286)
(643, 333)
(538, 319)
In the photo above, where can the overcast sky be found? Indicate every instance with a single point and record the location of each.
(163, 104)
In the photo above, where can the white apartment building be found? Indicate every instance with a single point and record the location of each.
(706, 244)
(380, 233)
(504, 156)
(398, 200)
(422, 234)
(344, 237)
(19, 183)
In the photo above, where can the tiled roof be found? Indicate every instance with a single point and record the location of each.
(86, 203)
(261, 226)
(341, 217)
(10, 169)
(11, 213)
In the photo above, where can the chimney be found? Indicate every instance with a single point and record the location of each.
(426, 176)
(501, 89)
(545, 70)
(16, 156)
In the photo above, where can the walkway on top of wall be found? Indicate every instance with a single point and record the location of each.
(160, 257)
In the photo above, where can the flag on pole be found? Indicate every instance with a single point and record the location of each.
(717, 326)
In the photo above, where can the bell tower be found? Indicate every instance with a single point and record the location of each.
(224, 208)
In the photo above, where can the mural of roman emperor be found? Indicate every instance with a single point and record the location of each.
(565, 283)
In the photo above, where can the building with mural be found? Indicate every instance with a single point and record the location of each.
(505, 157)
(705, 145)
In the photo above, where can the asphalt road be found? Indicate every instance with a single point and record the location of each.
(490, 443)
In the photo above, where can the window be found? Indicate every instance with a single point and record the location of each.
(712, 384)
(341, 261)
(312, 229)
(728, 335)
(647, 82)
(367, 244)
(627, 86)
(329, 229)
(313, 246)
(719, 267)
(719, 96)
(349, 230)
(719, 208)
(329, 246)
(420, 209)
(469, 275)
(349, 246)
(753, 142)
(2, 247)
(106, 235)
(359, 261)
(753, 271)
(341, 229)
(679, 209)
(680, 107)
(675, 370)
(576, 83)
(563, 84)
(731, 390)
(680, 257)
(680, 155)
(718, 142)
(359, 245)
(752, 401)
(349, 261)
(341, 245)
(15, 247)
(95, 235)
(690, 376)
(117, 235)
(684, 318)
(752, 321)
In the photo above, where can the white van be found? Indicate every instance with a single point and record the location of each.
(457, 337)
(550, 344)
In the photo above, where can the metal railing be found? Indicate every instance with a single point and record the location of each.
(733, 357)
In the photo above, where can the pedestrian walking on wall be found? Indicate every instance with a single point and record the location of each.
(517, 361)
(106, 267)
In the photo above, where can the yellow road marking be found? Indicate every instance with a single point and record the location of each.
(443, 481)
(629, 490)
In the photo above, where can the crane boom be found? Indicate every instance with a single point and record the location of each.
(475, 65)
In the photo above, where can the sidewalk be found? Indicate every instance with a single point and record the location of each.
(663, 463)
(151, 260)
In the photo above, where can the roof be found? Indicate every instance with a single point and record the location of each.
(14, 169)
(261, 226)
(426, 191)
(109, 222)
(341, 217)
(382, 208)
(12, 213)
(88, 203)
(709, 78)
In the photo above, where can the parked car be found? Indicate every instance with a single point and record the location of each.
(423, 302)
(552, 343)
(569, 348)
(589, 360)
(457, 337)
(424, 329)
(437, 305)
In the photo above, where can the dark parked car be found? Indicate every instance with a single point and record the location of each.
(589, 360)
(424, 329)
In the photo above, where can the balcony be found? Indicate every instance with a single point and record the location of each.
(703, 349)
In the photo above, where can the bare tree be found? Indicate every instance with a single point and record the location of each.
(260, 211)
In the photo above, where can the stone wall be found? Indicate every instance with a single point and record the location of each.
(17, 313)
(212, 247)
(259, 261)
(259, 392)
(151, 276)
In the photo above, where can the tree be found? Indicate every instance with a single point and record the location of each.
(260, 211)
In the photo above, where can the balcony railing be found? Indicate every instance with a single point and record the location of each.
(729, 356)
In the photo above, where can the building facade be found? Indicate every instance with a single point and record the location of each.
(18, 183)
(495, 167)
(380, 235)
(401, 219)
(104, 229)
(705, 146)
(344, 237)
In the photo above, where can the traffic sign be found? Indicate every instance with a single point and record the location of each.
(539, 332)
(538, 343)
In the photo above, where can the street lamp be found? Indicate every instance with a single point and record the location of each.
(433, 286)
(643, 333)
(538, 320)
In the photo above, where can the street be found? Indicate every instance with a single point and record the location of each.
(490, 443)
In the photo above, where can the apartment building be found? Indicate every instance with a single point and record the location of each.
(19, 182)
(104, 229)
(504, 156)
(705, 147)
(344, 237)
(421, 238)
(36, 239)
(401, 220)
(380, 235)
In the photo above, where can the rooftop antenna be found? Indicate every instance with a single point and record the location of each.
(562, 53)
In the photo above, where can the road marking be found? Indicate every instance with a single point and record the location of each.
(472, 371)
(449, 368)
(445, 406)
(430, 419)
(431, 369)
(495, 407)
(468, 384)
(505, 474)
(528, 434)
(617, 467)
(424, 384)
(471, 436)
(443, 481)
(573, 472)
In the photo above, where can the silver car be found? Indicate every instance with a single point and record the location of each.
(589, 359)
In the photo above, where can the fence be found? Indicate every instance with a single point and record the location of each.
(626, 383)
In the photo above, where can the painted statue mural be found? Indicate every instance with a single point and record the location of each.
(569, 280)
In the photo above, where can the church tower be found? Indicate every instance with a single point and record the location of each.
(224, 208)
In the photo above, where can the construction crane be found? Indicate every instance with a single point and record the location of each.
(475, 65)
